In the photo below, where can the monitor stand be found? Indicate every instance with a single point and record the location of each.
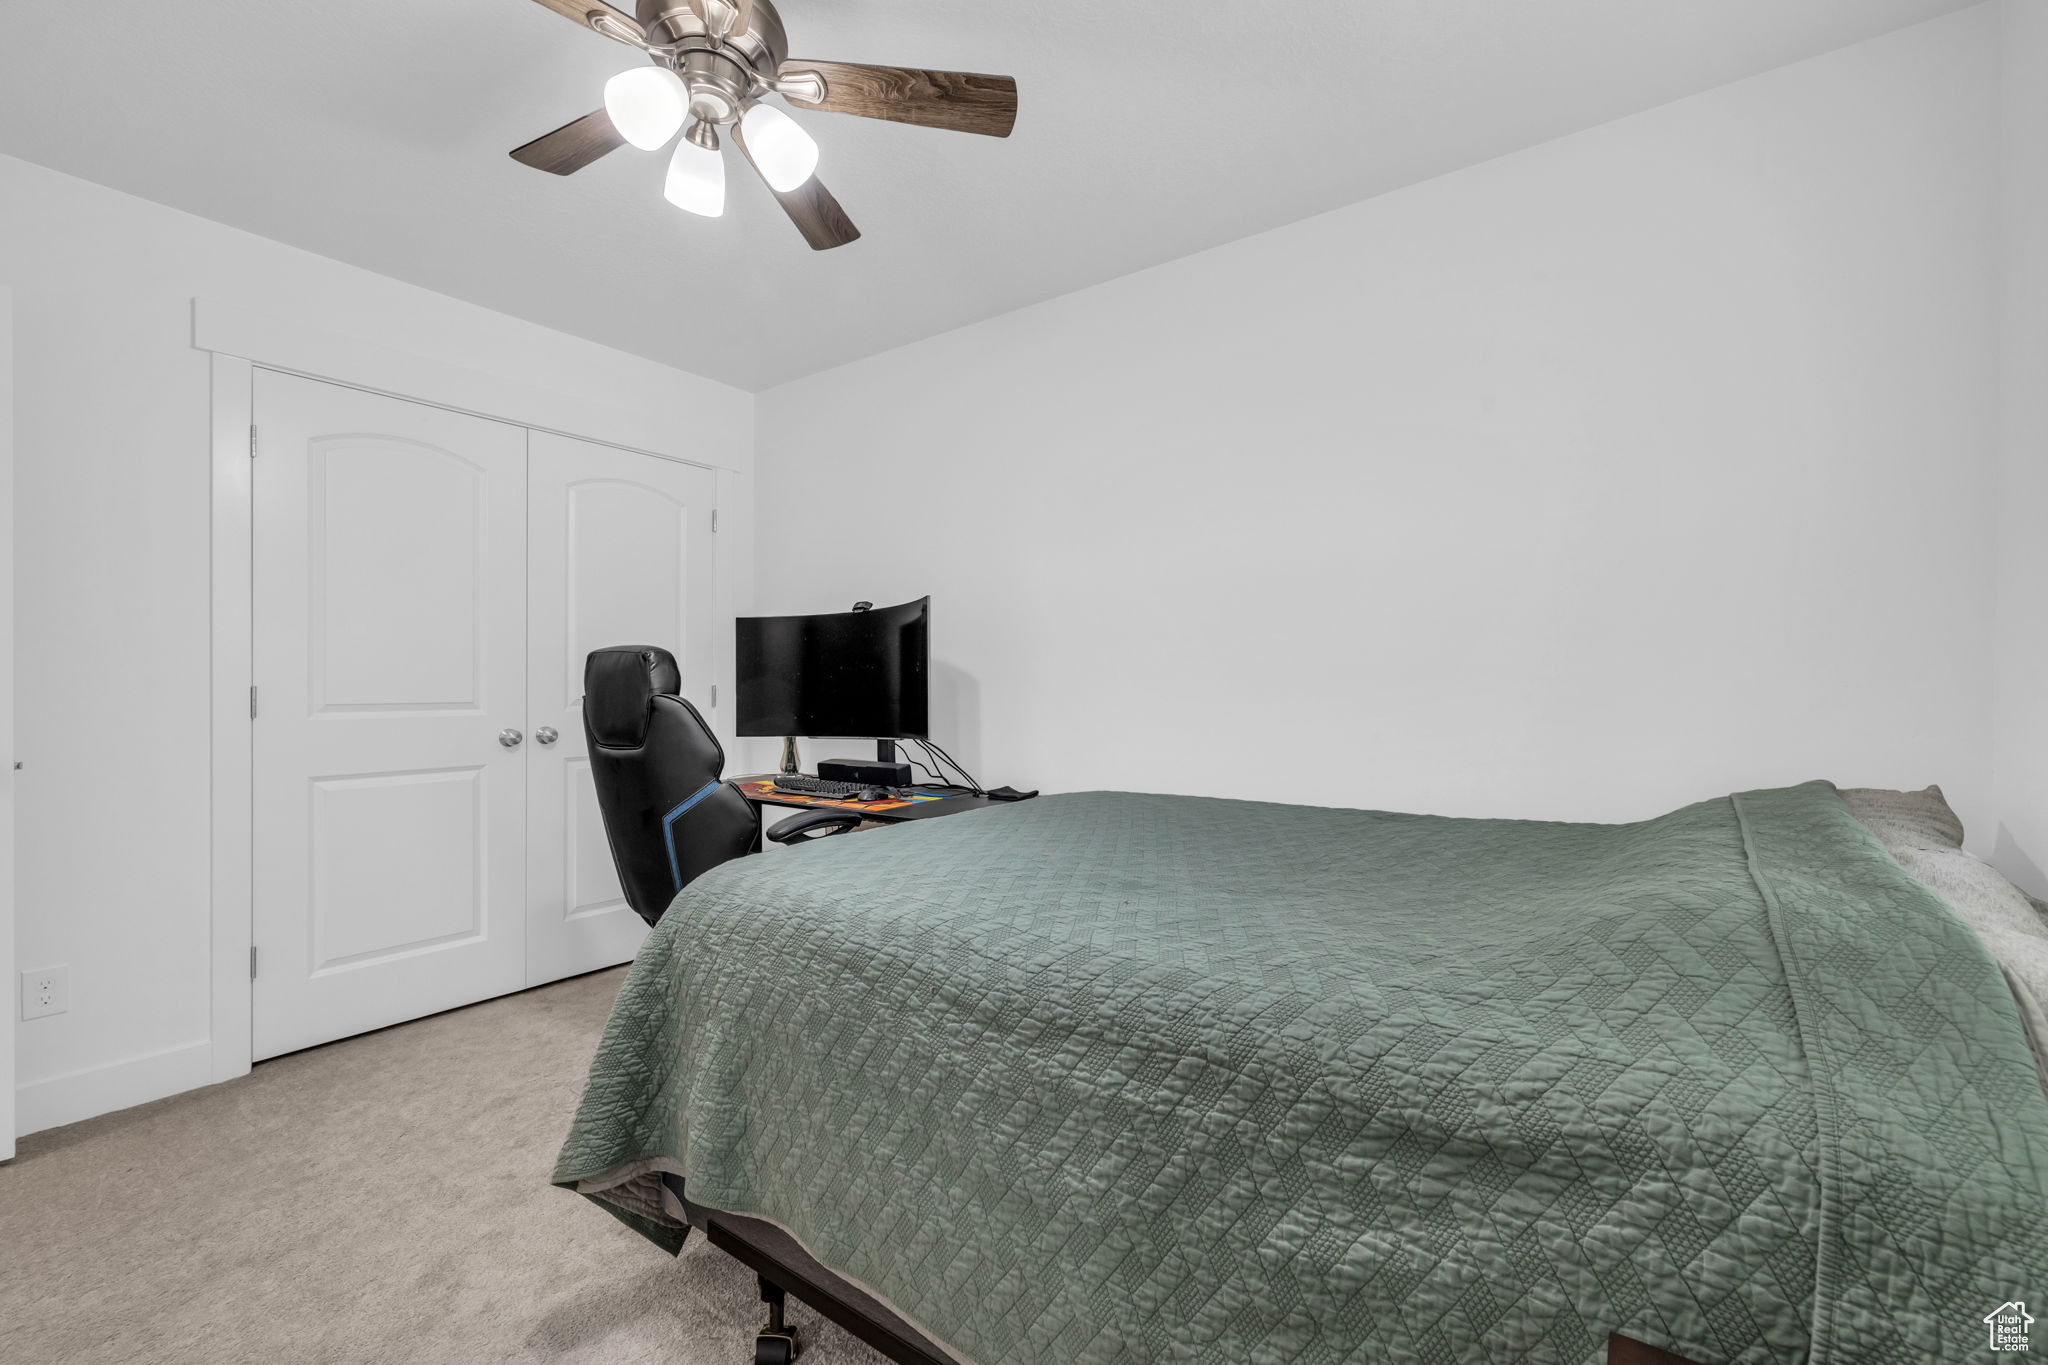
(885, 756)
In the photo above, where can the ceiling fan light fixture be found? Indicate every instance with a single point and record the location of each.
(711, 63)
(647, 105)
(696, 179)
(781, 148)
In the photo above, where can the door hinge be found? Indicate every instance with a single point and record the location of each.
(252, 701)
(252, 962)
(252, 440)
(714, 521)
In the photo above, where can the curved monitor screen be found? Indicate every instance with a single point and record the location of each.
(847, 675)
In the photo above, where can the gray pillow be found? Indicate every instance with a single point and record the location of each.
(1920, 819)
(1926, 839)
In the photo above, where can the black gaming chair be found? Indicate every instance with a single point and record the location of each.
(656, 765)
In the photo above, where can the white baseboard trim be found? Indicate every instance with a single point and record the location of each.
(59, 1100)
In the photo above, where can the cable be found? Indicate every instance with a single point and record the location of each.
(957, 767)
(960, 768)
(936, 767)
(938, 778)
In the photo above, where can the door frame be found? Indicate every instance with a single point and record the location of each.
(240, 342)
(8, 1024)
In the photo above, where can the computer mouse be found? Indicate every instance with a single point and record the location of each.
(872, 794)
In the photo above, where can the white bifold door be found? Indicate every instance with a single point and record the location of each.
(619, 554)
(426, 586)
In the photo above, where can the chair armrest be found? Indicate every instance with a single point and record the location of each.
(797, 827)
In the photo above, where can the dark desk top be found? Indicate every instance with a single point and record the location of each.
(925, 803)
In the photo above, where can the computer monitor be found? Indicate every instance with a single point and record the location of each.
(843, 675)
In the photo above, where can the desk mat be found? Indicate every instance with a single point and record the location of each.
(762, 789)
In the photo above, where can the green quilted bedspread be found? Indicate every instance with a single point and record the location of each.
(1116, 1078)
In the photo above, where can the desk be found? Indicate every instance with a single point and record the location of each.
(889, 812)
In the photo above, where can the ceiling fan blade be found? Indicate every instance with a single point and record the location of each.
(960, 100)
(572, 146)
(583, 11)
(810, 206)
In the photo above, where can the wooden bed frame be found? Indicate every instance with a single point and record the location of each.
(784, 1268)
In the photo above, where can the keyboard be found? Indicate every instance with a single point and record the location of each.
(817, 786)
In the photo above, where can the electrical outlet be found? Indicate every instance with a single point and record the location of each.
(47, 990)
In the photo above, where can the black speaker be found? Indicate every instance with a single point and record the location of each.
(869, 772)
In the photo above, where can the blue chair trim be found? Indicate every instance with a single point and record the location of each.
(668, 828)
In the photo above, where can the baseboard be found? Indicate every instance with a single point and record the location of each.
(100, 1090)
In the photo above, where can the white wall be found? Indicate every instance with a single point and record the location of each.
(1641, 466)
(112, 526)
(2021, 754)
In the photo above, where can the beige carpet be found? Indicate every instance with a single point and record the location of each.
(384, 1198)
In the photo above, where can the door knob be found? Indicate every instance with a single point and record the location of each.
(546, 734)
(510, 738)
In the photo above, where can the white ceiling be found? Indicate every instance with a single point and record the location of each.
(375, 132)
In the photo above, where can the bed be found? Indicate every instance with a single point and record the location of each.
(1107, 1077)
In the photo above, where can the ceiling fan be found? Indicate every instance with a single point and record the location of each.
(713, 63)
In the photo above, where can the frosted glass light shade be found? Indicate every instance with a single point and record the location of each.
(780, 147)
(647, 105)
(696, 180)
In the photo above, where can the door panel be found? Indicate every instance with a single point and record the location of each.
(626, 564)
(397, 865)
(390, 650)
(395, 596)
(592, 881)
(620, 553)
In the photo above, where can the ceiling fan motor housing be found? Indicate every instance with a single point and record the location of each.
(723, 74)
(718, 83)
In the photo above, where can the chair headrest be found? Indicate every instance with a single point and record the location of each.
(619, 687)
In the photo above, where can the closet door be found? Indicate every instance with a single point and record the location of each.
(390, 658)
(620, 553)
